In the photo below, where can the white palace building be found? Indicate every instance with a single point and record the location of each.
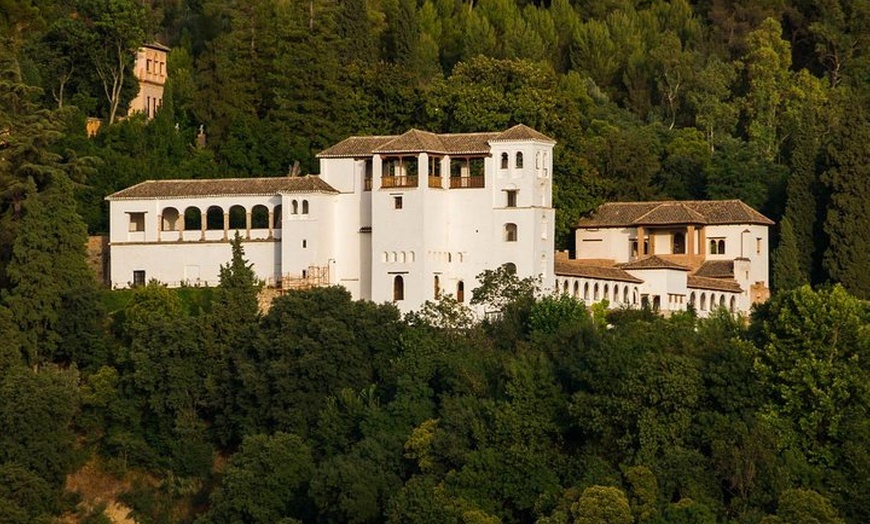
(399, 219)
(409, 218)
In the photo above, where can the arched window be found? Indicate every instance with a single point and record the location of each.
(557, 285)
(437, 286)
(460, 291)
(385, 257)
(259, 217)
(510, 232)
(294, 207)
(398, 288)
(692, 299)
(238, 217)
(576, 289)
(625, 295)
(586, 291)
(170, 219)
(722, 301)
(606, 295)
(595, 292)
(733, 304)
(616, 293)
(393, 257)
(679, 244)
(657, 303)
(402, 258)
(712, 301)
(511, 268)
(565, 287)
(304, 207)
(276, 217)
(411, 256)
(519, 160)
(703, 301)
(634, 296)
(214, 218)
(192, 219)
(504, 160)
(721, 247)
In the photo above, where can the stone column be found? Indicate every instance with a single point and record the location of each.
(159, 225)
(652, 242)
(690, 240)
(271, 222)
(702, 242)
(203, 222)
(641, 250)
(248, 225)
(226, 225)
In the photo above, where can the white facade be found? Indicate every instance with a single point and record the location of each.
(700, 254)
(400, 219)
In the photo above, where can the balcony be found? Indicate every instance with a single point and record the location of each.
(399, 181)
(469, 182)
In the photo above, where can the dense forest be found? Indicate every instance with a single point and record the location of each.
(201, 408)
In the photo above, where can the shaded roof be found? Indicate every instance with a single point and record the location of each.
(151, 189)
(653, 262)
(716, 269)
(716, 284)
(522, 132)
(707, 212)
(576, 268)
(156, 45)
(417, 141)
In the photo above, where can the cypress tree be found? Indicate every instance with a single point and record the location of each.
(787, 273)
(847, 259)
(49, 273)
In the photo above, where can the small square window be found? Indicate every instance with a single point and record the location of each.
(137, 222)
(138, 277)
(397, 202)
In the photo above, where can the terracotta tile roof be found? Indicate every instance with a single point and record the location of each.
(223, 186)
(709, 212)
(577, 268)
(417, 141)
(355, 146)
(716, 284)
(522, 132)
(414, 141)
(671, 213)
(716, 269)
(653, 262)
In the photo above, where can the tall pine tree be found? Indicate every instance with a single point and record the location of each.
(847, 224)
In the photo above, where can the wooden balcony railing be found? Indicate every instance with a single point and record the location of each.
(399, 181)
(471, 182)
(435, 181)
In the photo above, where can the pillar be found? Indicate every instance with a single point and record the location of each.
(248, 225)
(690, 240)
(159, 225)
(641, 240)
(203, 222)
(226, 225)
(271, 222)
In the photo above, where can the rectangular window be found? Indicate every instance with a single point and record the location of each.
(137, 222)
(148, 65)
(397, 202)
(304, 244)
(511, 198)
(757, 246)
(138, 277)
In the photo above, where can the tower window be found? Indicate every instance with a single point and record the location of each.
(519, 160)
(504, 160)
(511, 198)
(510, 232)
(398, 288)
